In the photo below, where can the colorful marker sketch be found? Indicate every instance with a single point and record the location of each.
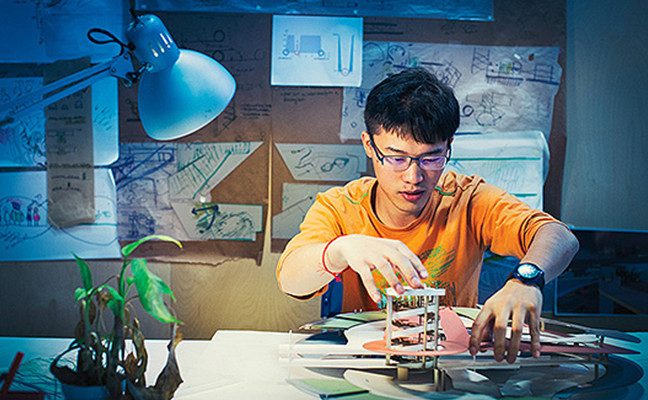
(323, 162)
(316, 51)
(514, 161)
(22, 144)
(204, 221)
(296, 199)
(151, 177)
(26, 235)
(202, 166)
(499, 88)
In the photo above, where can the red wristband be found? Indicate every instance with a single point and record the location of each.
(335, 275)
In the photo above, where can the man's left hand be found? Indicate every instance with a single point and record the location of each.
(516, 301)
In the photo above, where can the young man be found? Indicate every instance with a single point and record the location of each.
(414, 224)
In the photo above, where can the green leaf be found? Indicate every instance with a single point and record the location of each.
(129, 248)
(80, 293)
(151, 289)
(86, 276)
(116, 302)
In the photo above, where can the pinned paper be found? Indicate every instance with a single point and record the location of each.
(316, 51)
(323, 162)
(204, 221)
(296, 199)
(25, 234)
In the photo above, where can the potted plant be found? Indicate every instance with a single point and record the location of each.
(111, 357)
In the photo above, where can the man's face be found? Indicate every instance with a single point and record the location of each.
(402, 195)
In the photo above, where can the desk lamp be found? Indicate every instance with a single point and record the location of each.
(180, 91)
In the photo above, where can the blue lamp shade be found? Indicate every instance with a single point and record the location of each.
(179, 100)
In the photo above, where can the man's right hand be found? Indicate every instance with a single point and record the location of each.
(363, 254)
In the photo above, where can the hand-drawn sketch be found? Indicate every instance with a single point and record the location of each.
(150, 177)
(316, 51)
(26, 235)
(202, 166)
(514, 161)
(204, 221)
(142, 179)
(323, 162)
(296, 199)
(499, 88)
(22, 143)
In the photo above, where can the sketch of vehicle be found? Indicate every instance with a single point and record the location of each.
(307, 44)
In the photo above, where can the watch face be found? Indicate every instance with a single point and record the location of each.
(528, 271)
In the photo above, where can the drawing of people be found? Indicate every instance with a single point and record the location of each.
(16, 215)
(36, 216)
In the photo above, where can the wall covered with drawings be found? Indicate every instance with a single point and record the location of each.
(235, 191)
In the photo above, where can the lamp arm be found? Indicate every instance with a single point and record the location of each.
(120, 67)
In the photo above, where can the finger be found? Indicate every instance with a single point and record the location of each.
(387, 271)
(517, 325)
(534, 330)
(479, 328)
(414, 260)
(404, 265)
(499, 334)
(369, 284)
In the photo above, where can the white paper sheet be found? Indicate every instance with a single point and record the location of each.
(25, 234)
(514, 161)
(499, 88)
(323, 162)
(296, 199)
(203, 221)
(316, 51)
(22, 144)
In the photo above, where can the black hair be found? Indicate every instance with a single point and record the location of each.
(413, 103)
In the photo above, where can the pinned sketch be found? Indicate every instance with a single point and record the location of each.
(22, 143)
(203, 221)
(323, 162)
(296, 199)
(514, 161)
(26, 235)
(152, 177)
(202, 166)
(142, 179)
(499, 88)
(316, 51)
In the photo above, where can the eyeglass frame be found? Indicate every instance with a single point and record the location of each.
(381, 157)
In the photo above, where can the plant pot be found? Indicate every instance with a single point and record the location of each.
(75, 392)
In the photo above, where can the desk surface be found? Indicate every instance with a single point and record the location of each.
(236, 364)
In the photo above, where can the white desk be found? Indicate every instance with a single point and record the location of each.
(237, 364)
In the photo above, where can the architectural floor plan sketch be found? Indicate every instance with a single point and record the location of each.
(202, 166)
(203, 221)
(26, 235)
(22, 144)
(296, 199)
(323, 162)
(316, 51)
(499, 88)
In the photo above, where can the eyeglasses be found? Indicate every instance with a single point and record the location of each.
(399, 163)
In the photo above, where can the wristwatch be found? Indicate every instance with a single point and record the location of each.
(529, 274)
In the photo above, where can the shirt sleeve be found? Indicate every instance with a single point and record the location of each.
(503, 222)
(321, 224)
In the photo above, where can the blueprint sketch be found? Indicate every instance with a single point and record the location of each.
(22, 144)
(152, 177)
(204, 221)
(26, 235)
(514, 161)
(316, 51)
(499, 88)
(296, 199)
(323, 162)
